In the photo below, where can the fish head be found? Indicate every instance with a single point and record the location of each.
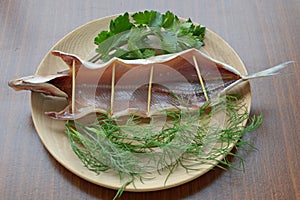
(39, 84)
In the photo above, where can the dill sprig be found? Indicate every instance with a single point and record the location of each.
(190, 139)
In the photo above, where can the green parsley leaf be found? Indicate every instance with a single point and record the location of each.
(169, 42)
(186, 28)
(101, 37)
(120, 24)
(147, 53)
(151, 33)
(112, 43)
(169, 20)
(148, 18)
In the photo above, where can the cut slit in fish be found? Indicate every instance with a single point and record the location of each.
(142, 87)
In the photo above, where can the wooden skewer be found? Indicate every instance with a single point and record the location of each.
(113, 74)
(150, 89)
(200, 78)
(73, 87)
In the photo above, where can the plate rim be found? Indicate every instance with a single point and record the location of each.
(130, 188)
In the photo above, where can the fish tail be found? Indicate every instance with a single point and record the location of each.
(268, 72)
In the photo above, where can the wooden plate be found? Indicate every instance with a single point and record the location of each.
(52, 132)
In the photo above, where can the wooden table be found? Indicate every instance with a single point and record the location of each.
(263, 33)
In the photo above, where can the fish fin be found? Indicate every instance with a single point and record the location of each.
(268, 72)
(69, 59)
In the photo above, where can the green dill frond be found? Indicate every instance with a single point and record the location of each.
(190, 139)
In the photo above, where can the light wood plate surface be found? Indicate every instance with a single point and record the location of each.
(52, 132)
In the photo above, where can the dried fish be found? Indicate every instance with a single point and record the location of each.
(143, 87)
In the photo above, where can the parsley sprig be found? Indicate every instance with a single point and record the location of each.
(146, 34)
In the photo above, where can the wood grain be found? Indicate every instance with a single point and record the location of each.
(263, 33)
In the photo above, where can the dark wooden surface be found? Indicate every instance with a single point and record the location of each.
(263, 33)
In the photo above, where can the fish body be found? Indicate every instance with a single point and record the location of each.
(143, 87)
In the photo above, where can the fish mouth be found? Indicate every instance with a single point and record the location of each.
(30, 83)
(15, 84)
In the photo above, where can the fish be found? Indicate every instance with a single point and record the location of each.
(141, 87)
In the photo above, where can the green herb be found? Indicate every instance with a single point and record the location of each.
(134, 149)
(146, 34)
